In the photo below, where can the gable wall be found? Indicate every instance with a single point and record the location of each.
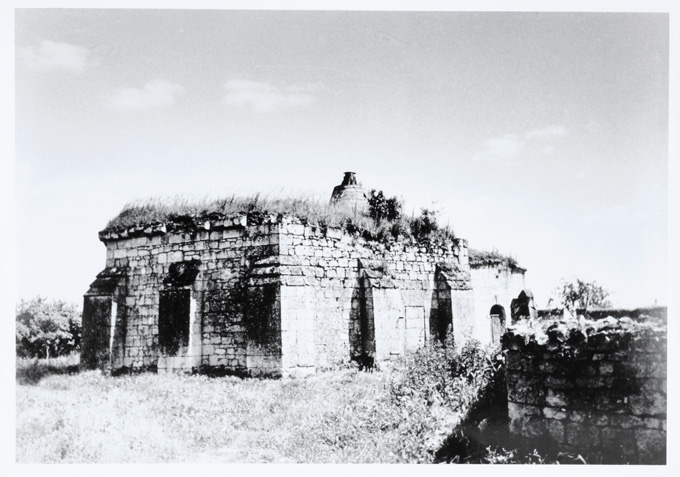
(493, 284)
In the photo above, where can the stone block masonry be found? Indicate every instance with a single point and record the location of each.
(268, 296)
(597, 388)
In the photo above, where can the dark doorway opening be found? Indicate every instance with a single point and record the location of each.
(441, 313)
(96, 331)
(362, 325)
(173, 320)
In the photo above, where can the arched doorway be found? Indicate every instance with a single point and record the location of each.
(497, 318)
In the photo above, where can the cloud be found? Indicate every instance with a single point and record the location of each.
(506, 147)
(155, 94)
(52, 55)
(547, 132)
(264, 97)
(509, 146)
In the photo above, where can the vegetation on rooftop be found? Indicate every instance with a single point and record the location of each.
(479, 258)
(383, 219)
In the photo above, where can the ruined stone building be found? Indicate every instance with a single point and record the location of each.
(269, 295)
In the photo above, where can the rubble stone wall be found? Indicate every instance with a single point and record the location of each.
(322, 274)
(594, 389)
(275, 298)
(219, 335)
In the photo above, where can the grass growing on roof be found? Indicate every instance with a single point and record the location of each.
(490, 257)
(308, 209)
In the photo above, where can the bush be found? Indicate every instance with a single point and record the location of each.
(381, 208)
(46, 328)
(440, 386)
(425, 227)
(464, 379)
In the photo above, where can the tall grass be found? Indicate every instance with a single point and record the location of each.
(332, 417)
(396, 415)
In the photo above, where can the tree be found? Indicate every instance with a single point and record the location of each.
(580, 295)
(46, 328)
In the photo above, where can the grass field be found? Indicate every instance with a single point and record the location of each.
(341, 416)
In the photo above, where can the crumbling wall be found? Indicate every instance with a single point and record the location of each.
(597, 388)
(659, 313)
(103, 323)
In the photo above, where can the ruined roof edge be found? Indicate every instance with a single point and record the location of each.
(483, 258)
(215, 222)
(189, 224)
(493, 263)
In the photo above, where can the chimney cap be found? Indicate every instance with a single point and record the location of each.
(349, 179)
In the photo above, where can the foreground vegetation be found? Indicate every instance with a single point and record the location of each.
(393, 415)
(330, 417)
(428, 407)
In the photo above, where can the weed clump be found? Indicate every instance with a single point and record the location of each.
(465, 379)
(441, 385)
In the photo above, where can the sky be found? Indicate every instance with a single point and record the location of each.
(542, 135)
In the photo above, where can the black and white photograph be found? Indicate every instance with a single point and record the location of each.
(338, 233)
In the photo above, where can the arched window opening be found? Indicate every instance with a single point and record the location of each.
(497, 316)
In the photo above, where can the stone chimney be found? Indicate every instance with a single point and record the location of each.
(349, 193)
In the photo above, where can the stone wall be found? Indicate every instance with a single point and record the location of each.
(268, 296)
(493, 284)
(224, 329)
(597, 388)
(326, 275)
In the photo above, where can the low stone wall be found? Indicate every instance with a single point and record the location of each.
(658, 313)
(597, 388)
